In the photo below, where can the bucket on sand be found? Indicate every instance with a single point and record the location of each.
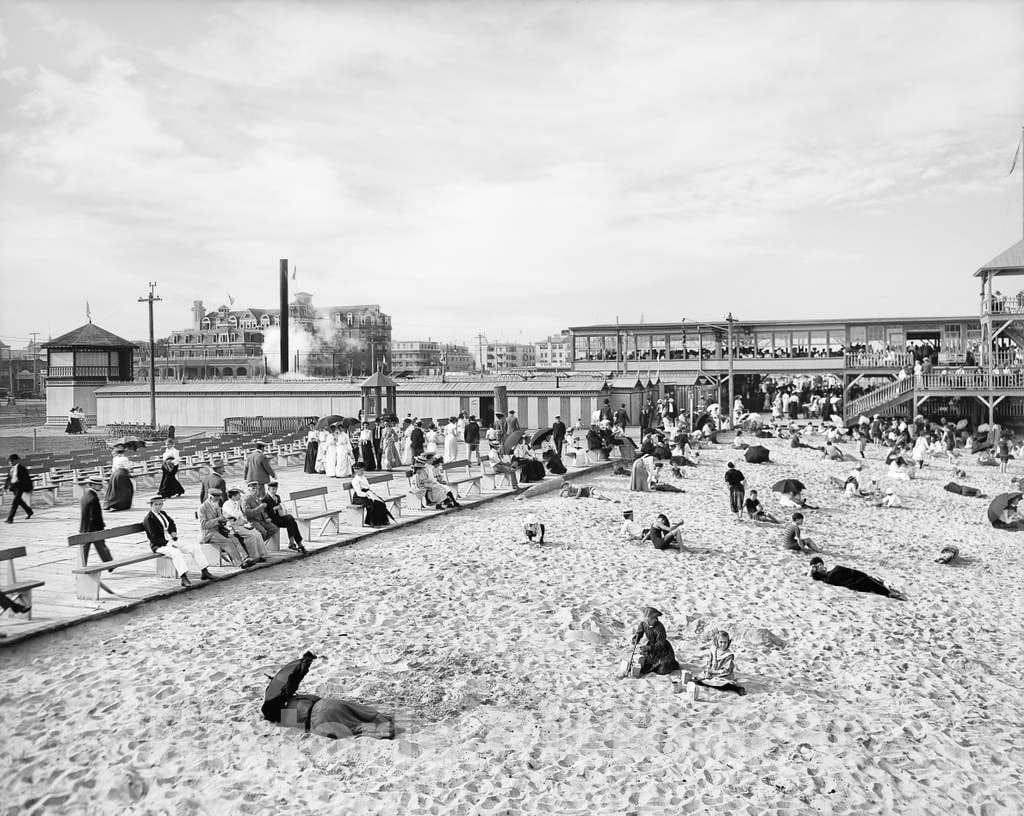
(691, 692)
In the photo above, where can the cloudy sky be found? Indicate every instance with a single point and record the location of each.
(505, 168)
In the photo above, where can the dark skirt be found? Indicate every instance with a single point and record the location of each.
(120, 491)
(531, 471)
(169, 484)
(555, 465)
(336, 719)
(312, 449)
(377, 513)
(369, 455)
(74, 426)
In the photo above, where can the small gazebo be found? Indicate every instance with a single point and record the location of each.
(379, 396)
(78, 363)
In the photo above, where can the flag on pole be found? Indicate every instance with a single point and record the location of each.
(1016, 155)
(88, 314)
(295, 268)
(231, 300)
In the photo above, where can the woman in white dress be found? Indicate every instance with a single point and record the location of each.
(321, 450)
(430, 438)
(330, 449)
(407, 444)
(451, 440)
(343, 459)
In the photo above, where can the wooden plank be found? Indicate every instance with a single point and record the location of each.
(103, 535)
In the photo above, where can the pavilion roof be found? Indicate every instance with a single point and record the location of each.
(1007, 262)
(89, 336)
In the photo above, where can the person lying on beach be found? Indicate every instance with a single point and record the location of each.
(889, 500)
(630, 530)
(720, 669)
(795, 442)
(792, 536)
(571, 491)
(533, 529)
(655, 654)
(851, 579)
(830, 451)
(948, 554)
(663, 535)
(655, 482)
(796, 500)
(324, 716)
(755, 510)
(964, 490)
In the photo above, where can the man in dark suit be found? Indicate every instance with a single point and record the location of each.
(511, 422)
(273, 504)
(558, 434)
(19, 483)
(92, 519)
(257, 468)
(417, 439)
(216, 480)
(621, 417)
(605, 412)
(163, 539)
(471, 436)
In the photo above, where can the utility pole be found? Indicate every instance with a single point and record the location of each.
(35, 358)
(151, 298)
(730, 319)
(480, 339)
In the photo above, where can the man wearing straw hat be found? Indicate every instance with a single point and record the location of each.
(163, 539)
(92, 519)
(215, 529)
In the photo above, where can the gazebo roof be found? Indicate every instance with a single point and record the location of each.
(378, 380)
(89, 336)
(1008, 262)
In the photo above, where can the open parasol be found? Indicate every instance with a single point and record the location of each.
(999, 504)
(756, 454)
(283, 685)
(327, 421)
(350, 422)
(540, 436)
(788, 486)
(511, 440)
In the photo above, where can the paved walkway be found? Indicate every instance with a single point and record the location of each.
(50, 559)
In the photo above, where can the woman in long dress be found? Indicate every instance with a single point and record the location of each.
(451, 440)
(407, 444)
(170, 487)
(121, 488)
(74, 425)
(366, 452)
(343, 460)
(430, 438)
(656, 654)
(330, 448)
(389, 450)
(312, 449)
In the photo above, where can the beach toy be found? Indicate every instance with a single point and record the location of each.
(691, 692)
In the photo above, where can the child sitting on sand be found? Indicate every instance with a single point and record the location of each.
(720, 670)
(532, 529)
(656, 655)
(755, 510)
(630, 530)
(890, 499)
(792, 538)
(948, 554)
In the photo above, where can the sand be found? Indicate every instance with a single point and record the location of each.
(500, 662)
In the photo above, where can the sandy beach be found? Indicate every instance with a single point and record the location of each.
(500, 661)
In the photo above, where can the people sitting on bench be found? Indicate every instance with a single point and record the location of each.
(554, 463)
(163, 539)
(240, 528)
(427, 489)
(272, 502)
(255, 511)
(216, 531)
(92, 519)
(499, 465)
(376, 513)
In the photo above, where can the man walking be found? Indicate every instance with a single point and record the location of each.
(19, 483)
(471, 436)
(257, 468)
(417, 440)
(92, 520)
(621, 417)
(558, 434)
(163, 539)
(737, 489)
(512, 423)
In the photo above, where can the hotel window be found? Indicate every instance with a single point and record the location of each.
(876, 338)
(643, 347)
(801, 344)
(858, 339)
(764, 345)
(819, 343)
(692, 344)
(581, 343)
(677, 347)
(658, 350)
(744, 342)
(782, 344)
(895, 339)
(836, 342)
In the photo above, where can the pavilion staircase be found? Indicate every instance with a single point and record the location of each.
(884, 401)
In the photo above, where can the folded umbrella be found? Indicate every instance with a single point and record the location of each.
(999, 504)
(540, 436)
(788, 486)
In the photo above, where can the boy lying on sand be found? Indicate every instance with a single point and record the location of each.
(571, 491)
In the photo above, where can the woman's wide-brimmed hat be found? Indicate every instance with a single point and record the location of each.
(650, 611)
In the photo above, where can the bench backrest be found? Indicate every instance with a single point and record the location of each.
(12, 552)
(458, 463)
(311, 493)
(372, 478)
(103, 535)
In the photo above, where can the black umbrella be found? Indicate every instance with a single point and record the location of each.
(756, 454)
(327, 421)
(999, 504)
(283, 685)
(788, 486)
(511, 440)
(349, 422)
(540, 436)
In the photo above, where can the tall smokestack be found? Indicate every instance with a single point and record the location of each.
(284, 315)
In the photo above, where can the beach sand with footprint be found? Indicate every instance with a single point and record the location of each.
(500, 661)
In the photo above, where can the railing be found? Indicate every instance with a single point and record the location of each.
(261, 425)
(82, 372)
(879, 359)
(971, 380)
(877, 398)
(1013, 305)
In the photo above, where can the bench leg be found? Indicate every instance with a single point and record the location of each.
(274, 542)
(47, 497)
(306, 528)
(335, 520)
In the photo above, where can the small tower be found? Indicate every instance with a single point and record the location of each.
(198, 313)
(80, 362)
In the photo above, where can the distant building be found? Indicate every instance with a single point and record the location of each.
(21, 370)
(428, 357)
(507, 356)
(327, 341)
(555, 352)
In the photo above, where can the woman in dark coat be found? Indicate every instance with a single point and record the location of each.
(851, 579)
(312, 449)
(656, 654)
(553, 462)
(121, 488)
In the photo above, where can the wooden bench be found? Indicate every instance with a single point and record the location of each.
(88, 578)
(9, 583)
(305, 519)
(48, 492)
(471, 479)
(488, 472)
(392, 500)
